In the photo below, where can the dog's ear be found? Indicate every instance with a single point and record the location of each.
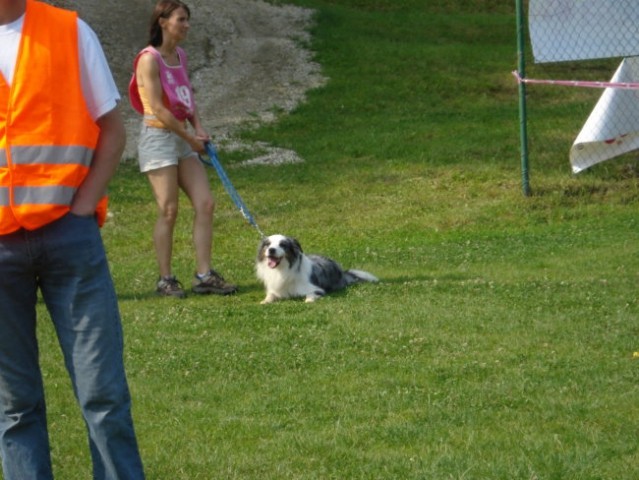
(293, 252)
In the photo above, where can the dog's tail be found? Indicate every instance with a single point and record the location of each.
(355, 276)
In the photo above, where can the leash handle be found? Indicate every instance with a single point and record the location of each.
(214, 161)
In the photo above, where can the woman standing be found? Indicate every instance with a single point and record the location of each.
(168, 148)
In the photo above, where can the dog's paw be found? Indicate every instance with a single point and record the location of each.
(311, 297)
(269, 299)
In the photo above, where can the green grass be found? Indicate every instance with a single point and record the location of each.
(499, 343)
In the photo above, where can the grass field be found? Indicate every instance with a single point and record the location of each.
(499, 343)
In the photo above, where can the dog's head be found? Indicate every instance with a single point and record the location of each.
(277, 249)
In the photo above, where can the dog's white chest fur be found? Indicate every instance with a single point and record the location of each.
(286, 280)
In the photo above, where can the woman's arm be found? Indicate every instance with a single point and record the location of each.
(200, 132)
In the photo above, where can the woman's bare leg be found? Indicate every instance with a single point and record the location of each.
(194, 181)
(164, 183)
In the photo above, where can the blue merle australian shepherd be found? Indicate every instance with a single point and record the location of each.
(287, 272)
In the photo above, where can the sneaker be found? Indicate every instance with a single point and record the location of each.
(170, 287)
(212, 283)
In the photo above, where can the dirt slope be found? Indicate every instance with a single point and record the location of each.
(247, 58)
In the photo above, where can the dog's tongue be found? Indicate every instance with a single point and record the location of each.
(272, 262)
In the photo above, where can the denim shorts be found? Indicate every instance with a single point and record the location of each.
(160, 147)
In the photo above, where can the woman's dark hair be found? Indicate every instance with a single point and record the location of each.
(163, 9)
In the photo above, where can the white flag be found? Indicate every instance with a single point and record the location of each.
(612, 128)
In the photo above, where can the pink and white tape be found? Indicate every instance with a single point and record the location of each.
(578, 83)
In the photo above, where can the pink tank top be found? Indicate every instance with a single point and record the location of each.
(178, 93)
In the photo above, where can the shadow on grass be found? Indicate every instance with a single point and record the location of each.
(243, 289)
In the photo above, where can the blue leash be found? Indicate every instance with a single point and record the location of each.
(214, 161)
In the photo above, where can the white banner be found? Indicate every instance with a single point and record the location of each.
(562, 30)
(612, 128)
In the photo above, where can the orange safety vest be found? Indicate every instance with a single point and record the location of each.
(47, 135)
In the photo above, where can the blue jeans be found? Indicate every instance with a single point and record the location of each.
(67, 262)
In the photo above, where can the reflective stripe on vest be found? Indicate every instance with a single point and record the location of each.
(55, 195)
(72, 154)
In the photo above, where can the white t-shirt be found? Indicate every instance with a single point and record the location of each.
(98, 86)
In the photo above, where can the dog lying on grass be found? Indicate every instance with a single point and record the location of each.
(287, 272)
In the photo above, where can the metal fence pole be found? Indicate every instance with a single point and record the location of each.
(521, 67)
